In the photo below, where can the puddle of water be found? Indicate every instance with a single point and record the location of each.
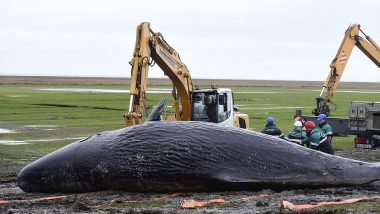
(262, 104)
(354, 91)
(23, 142)
(56, 139)
(256, 92)
(15, 96)
(12, 142)
(41, 126)
(360, 92)
(96, 90)
(5, 131)
(160, 89)
(282, 107)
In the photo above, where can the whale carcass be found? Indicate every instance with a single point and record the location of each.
(188, 156)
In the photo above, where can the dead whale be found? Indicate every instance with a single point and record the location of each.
(188, 156)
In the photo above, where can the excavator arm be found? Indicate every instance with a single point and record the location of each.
(151, 47)
(338, 64)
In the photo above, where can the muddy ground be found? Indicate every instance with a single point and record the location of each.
(265, 201)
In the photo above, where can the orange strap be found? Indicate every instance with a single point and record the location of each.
(32, 200)
(290, 206)
(186, 204)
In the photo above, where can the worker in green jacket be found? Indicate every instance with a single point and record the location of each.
(272, 129)
(317, 138)
(325, 127)
(297, 134)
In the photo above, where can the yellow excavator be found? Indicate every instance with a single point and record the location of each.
(209, 105)
(351, 39)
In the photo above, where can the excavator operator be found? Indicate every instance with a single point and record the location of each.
(205, 107)
(210, 102)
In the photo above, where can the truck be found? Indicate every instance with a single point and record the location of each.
(364, 121)
(214, 105)
(364, 117)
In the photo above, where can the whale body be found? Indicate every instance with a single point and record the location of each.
(189, 156)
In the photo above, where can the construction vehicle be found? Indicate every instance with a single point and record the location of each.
(364, 117)
(351, 39)
(364, 122)
(190, 103)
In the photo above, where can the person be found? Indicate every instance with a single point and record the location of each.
(298, 117)
(301, 119)
(199, 109)
(325, 127)
(317, 138)
(272, 129)
(211, 108)
(297, 134)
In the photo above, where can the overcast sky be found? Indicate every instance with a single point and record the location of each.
(234, 39)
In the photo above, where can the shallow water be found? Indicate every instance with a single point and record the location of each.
(23, 142)
(97, 90)
(279, 107)
(41, 126)
(13, 142)
(15, 96)
(4, 131)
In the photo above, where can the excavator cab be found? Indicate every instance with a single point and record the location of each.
(204, 106)
(212, 105)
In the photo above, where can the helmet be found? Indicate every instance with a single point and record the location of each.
(270, 120)
(309, 125)
(322, 117)
(298, 123)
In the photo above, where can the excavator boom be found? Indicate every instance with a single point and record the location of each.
(151, 47)
(351, 39)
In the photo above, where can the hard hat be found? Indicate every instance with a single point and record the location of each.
(309, 125)
(298, 123)
(322, 117)
(270, 120)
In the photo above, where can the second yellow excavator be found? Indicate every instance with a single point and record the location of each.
(209, 105)
(351, 39)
